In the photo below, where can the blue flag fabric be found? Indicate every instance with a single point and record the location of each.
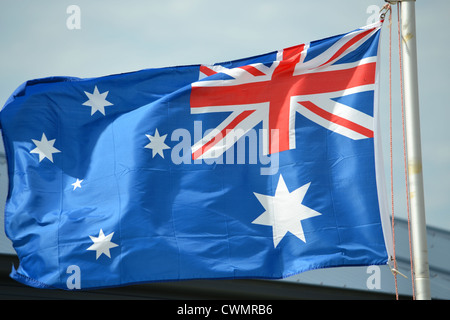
(262, 167)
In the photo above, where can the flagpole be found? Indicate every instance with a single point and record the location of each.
(414, 157)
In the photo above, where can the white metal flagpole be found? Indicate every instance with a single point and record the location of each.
(414, 157)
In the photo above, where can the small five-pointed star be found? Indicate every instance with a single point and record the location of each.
(102, 244)
(97, 101)
(44, 148)
(77, 184)
(285, 211)
(157, 144)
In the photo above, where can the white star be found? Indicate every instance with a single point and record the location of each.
(102, 244)
(284, 211)
(77, 184)
(157, 144)
(44, 148)
(97, 101)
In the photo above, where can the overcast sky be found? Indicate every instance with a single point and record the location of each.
(123, 36)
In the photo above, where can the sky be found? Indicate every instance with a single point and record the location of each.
(122, 36)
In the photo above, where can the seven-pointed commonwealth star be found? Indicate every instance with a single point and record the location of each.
(285, 211)
(44, 148)
(102, 244)
(97, 101)
(157, 144)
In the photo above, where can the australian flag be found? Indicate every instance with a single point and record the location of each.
(262, 167)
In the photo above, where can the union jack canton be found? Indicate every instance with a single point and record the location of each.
(272, 93)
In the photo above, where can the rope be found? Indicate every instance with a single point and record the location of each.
(404, 150)
(388, 9)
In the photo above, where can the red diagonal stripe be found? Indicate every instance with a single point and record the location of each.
(348, 44)
(207, 71)
(253, 71)
(337, 119)
(222, 134)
